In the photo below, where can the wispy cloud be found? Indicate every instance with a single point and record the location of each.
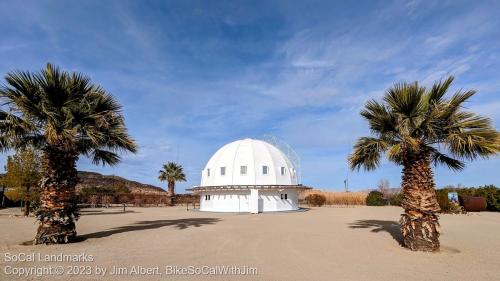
(192, 77)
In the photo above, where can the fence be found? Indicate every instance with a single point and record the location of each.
(135, 199)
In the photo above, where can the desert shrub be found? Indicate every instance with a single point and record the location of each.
(490, 192)
(375, 198)
(14, 194)
(442, 197)
(186, 198)
(395, 199)
(337, 198)
(17, 194)
(316, 199)
(104, 190)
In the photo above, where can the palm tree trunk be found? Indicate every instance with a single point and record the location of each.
(58, 211)
(171, 191)
(419, 223)
(171, 188)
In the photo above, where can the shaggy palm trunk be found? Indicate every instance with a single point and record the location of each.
(171, 191)
(58, 210)
(419, 223)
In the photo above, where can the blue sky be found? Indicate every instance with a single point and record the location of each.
(194, 75)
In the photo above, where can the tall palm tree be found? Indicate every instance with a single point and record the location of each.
(171, 173)
(64, 115)
(417, 127)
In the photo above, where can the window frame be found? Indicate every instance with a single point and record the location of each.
(245, 169)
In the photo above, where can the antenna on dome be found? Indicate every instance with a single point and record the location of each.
(289, 152)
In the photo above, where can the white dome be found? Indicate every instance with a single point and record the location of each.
(248, 162)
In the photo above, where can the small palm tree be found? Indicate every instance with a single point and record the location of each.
(171, 173)
(415, 127)
(64, 115)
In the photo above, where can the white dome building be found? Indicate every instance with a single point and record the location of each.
(248, 176)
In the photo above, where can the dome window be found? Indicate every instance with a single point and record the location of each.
(222, 171)
(283, 171)
(208, 172)
(243, 170)
(265, 170)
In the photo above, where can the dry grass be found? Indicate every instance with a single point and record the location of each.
(338, 198)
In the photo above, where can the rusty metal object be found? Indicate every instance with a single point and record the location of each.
(474, 204)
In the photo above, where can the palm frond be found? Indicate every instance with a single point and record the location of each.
(58, 108)
(412, 119)
(474, 143)
(439, 158)
(454, 104)
(439, 89)
(380, 119)
(395, 153)
(172, 172)
(104, 157)
(405, 99)
(367, 151)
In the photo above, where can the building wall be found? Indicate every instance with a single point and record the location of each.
(239, 201)
(272, 202)
(225, 201)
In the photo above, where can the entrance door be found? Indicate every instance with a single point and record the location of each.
(243, 201)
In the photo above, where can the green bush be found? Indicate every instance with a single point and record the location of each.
(375, 198)
(442, 197)
(490, 192)
(35, 205)
(395, 199)
(314, 199)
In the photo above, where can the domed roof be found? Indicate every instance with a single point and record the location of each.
(248, 162)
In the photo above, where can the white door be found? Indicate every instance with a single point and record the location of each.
(206, 202)
(243, 200)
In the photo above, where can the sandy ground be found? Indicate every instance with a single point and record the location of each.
(320, 244)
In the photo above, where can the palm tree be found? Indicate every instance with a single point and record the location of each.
(64, 115)
(171, 173)
(416, 127)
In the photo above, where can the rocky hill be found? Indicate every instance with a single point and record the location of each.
(92, 179)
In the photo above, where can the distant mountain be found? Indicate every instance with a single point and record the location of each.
(92, 179)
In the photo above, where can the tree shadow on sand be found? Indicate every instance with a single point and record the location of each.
(180, 224)
(98, 213)
(391, 227)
